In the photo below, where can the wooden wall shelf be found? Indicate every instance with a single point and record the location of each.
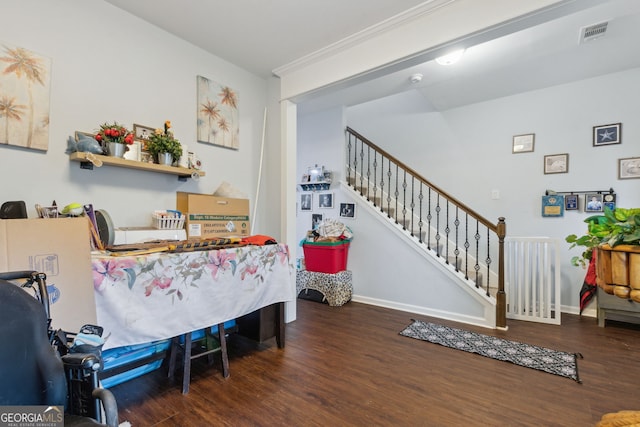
(182, 173)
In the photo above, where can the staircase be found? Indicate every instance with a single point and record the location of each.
(467, 245)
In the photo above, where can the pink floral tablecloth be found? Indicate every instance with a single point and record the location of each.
(146, 298)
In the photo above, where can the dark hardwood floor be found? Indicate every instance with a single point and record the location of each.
(348, 366)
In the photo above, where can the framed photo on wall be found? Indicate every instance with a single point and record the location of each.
(593, 203)
(629, 168)
(556, 163)
(325, 200)
(523, 143)
(306, 200)
(571, 202)
(348, 210)
(316, 219)
(607, 134)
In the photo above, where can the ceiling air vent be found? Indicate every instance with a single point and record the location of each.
(593, 32)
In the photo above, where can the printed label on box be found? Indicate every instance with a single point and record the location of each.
(195, 230)
(45, 264)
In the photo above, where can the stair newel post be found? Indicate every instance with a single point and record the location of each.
(349, 166)
(501, 298)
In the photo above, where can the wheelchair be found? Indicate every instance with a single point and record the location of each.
(37, 364)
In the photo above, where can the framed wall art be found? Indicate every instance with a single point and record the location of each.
(556, 163)
(607, 134)
(348, 210)
(629, 168)
(552, 205)
(142, 133)
(306, 200)
(593, 203)
(523, 143)
(25, 88)
(218, 119)
(325, 200)
(316, 219)
(571, 202)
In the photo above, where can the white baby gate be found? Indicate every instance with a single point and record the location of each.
(532, 279)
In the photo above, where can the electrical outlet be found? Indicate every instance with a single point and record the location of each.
(495, 194)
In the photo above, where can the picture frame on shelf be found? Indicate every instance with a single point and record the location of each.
(607, 134)
(571, 202)
(325, 200)
(348, 210)
(523, 143)
(593, 202)
(306, 202)
(133, 152)
(629, 168)
(556, 163)
(142, 133)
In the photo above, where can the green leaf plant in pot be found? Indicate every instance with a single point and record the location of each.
(616, 227)
(164, 142)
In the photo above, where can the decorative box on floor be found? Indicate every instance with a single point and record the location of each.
(336, 289)
(326, 256)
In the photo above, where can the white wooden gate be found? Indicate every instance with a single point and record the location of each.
(532, 279)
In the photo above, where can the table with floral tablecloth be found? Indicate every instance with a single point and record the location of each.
(144, 298)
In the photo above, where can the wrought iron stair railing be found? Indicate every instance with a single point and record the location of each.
(466, 241)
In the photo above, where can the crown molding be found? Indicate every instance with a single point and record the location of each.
(398, 20)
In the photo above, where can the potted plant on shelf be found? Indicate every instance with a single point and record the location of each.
(114, 138)
(614, 239)
(163, 146)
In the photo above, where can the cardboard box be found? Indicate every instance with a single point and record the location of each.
(61, 249)
(211, 216)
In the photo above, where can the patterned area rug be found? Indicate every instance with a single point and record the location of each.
(531, 356)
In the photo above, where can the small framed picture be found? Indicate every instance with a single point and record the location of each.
(556, 163)
(316, 219)
(348, 210)
(306, 200)
(553, 205)
(133, 151)
(523, 143)
(142, 133)
(629, 168)
(593, 203)
(607, 134)
(571, 202)
(325, 200)
(609, 201)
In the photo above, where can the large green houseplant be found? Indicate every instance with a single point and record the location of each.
(615, 227)
(164, 142)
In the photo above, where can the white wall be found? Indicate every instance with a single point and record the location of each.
(108, 65)
(467, 152)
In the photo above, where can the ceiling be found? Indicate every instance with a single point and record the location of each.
(277, 32)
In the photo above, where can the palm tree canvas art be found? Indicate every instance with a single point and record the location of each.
(24, 98)
(218, 122)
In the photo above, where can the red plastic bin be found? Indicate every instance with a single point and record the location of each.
(326, 257)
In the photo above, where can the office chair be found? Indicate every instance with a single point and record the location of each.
(32, 371)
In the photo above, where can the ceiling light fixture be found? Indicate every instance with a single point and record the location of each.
(415, 78)
(450, 58)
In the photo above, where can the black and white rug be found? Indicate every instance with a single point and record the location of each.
(531, 356)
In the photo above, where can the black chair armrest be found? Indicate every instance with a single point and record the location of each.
(109, 404)
(85, 361)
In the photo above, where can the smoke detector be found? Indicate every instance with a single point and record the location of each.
(592, 32)
(415, 78)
